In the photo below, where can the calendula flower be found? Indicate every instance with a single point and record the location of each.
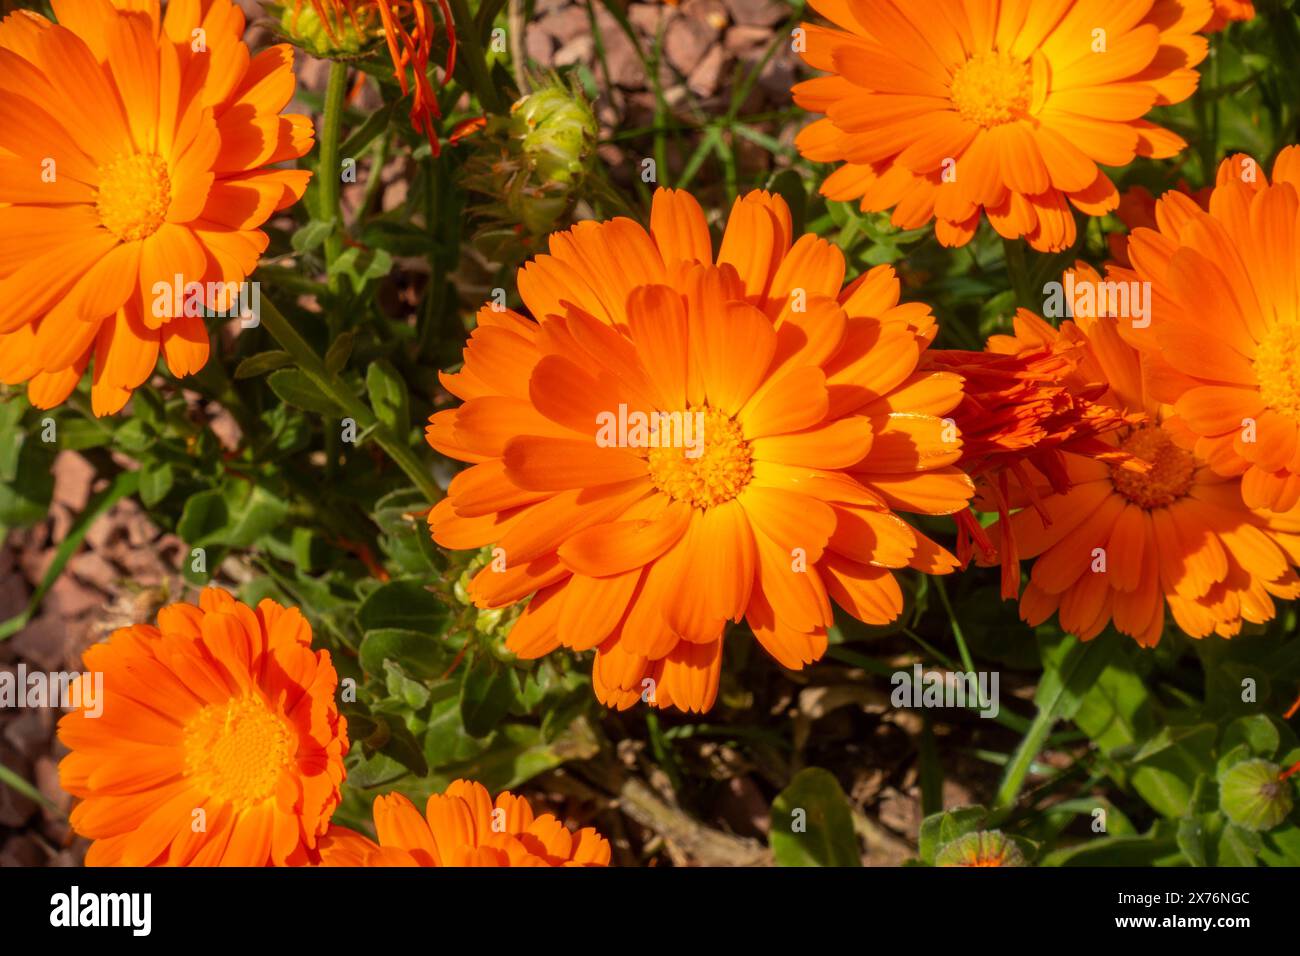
(135, 153)
(1137, 210)
(332, 27)
(1225, 323)
(1157, 528)
(464, 827)
(218, 742)
(1227, 11)
(1027, 398)
(676, 440)
(953, 110)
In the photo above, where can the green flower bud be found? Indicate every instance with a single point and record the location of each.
(981, 848)
(1253, 795)
(301, 25)
(533, 164)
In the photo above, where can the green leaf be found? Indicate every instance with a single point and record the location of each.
(311, 235)
(411, 692)
(362, 266)
(389, 397)
(1239, 847)
(1191, 840)
(445, 739)
(11, 416)
(403, 604)
(812, 823)
(263, 362)
(155, 481)
(946, 826)
(486, 695)
(1258, 733)
(339, 353)
(297, 389)
(235, 515)
(25, 498)
(419, 654)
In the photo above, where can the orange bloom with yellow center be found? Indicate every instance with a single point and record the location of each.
(1225, 322)
(464, 827)
(132, 173)
(219, 741)
(1156, 528)
(677, 440)
(950, 110)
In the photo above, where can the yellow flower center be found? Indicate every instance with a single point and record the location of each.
(1169, 477)
(236, 750)
(1277, 368)
(992, 88)
(720, 470)
(134, 194)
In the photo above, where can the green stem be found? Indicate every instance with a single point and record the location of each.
(962, 649)
(1018, 271)
(1014, 777)
(338, 391)
(472, 55)
(329, 172)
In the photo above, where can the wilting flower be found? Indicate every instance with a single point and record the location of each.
(1226, 11)
(219, 741)
(1156, 529)
(1004, 109)
(675, 441)
(335, 27)
(464, 827)
(1225, 323)
(134, 157)
(1028, 398)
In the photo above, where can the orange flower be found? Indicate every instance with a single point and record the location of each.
(1225, 323)
(408, 46)
(1028, 397)
(1137, 210)
(133, 152)
(219, 741)
(463, 827)
(1130, 537)
(946, 110)
(1226, 11)
(794, 425)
